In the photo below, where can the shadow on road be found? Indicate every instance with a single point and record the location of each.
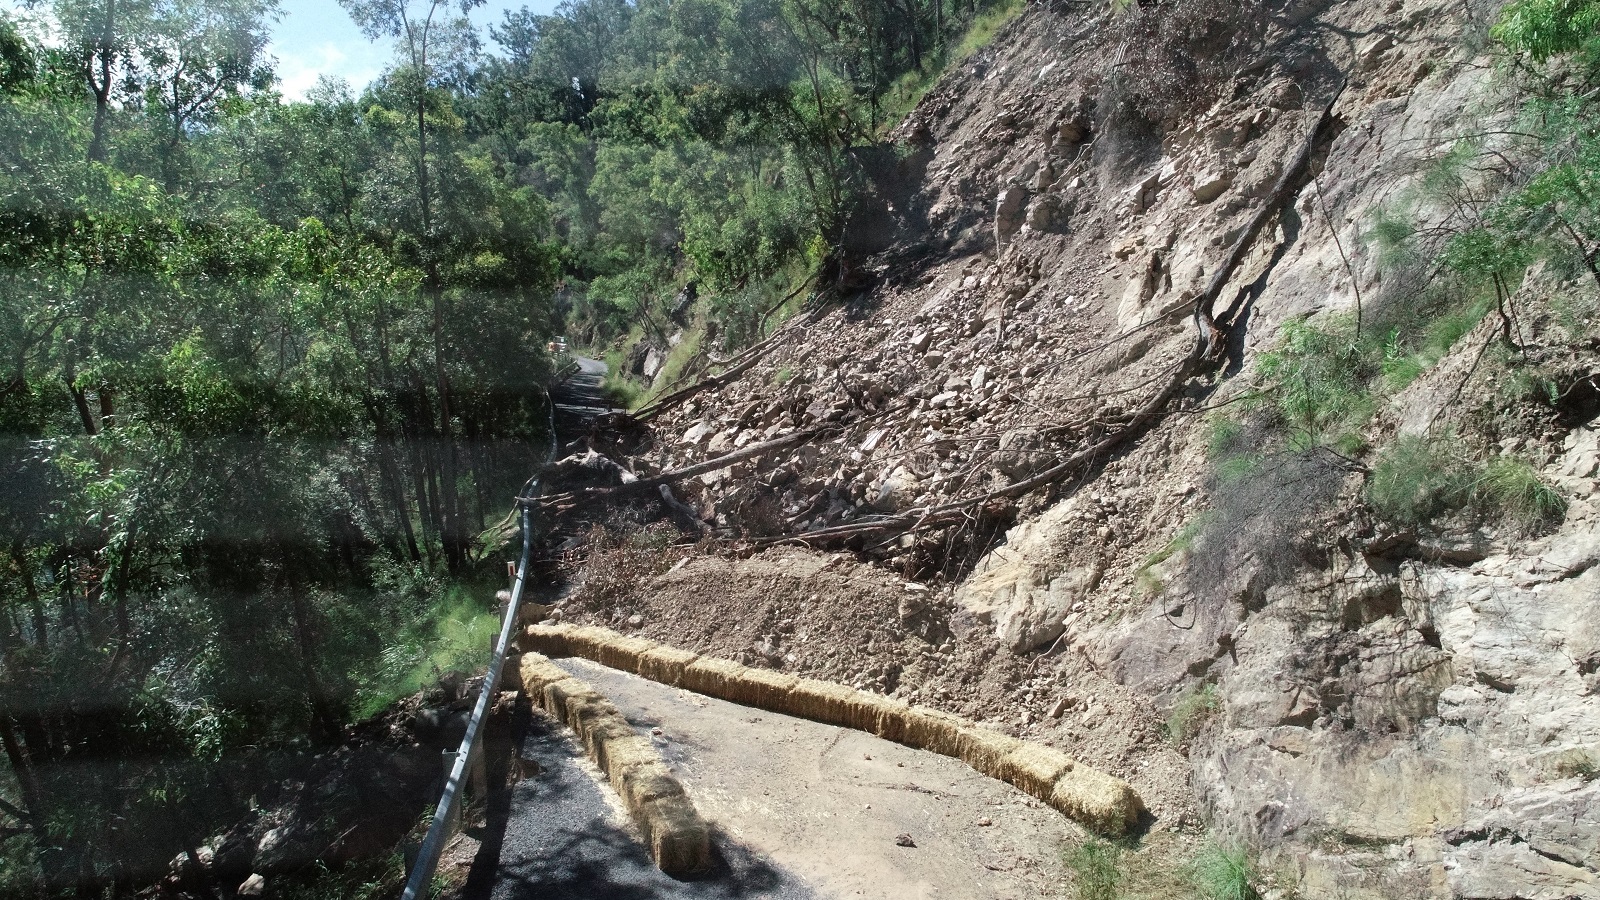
(554, 835)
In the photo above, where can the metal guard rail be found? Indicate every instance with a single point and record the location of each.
(444, 817)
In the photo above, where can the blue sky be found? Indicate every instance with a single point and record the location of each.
(314, 38)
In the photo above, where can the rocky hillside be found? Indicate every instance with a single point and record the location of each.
(997, 479)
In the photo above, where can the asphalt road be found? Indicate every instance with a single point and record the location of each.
(801, 810)
(581, 396)
(566, 836)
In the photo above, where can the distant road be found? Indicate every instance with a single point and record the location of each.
(580, 397)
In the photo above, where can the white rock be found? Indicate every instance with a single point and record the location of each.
(254, 886)
(1208, 186)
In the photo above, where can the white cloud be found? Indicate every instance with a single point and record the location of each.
(299, 71)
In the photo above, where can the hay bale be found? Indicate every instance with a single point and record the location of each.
(624, 754)
(983, 749)
(587, 640)
(679, 839)
(1096, 800)
(1035, 769)
(645, 782)
(713, 677)
(888, 717)
(601, 732)
(933, 730)
(822, 701)
(666, 664)
(560, 696)
(763, 688)
(534, 671)
(550, 640)
(622, 652)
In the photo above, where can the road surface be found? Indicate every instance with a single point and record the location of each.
(802, 810)
(580, 397)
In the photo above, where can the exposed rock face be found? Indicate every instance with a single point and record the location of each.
(1027, 605)
(1456, 725)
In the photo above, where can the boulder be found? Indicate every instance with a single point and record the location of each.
(1208, 186)
(1024, 590)
(1009, 210)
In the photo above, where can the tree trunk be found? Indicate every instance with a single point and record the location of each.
(101, 55)
(324, 721)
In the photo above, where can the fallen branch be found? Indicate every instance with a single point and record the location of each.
(682, 509)
(711, 465)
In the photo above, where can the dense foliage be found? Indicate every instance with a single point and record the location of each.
(272, 370)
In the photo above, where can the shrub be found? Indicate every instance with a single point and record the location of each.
(1191, 712)
(1223, 873)
(1096, 870)
(1513, 490)
(1319, 381)
(1414, 481)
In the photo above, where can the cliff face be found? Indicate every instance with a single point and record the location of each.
(1394, 713)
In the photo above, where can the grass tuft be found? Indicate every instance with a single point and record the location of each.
(1511, 488)
(1414, 482)
(1191, 712)
(1224, 873)
(1096, 869)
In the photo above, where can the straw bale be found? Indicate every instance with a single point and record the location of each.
(886, 718)
(550, 640)
(666, 664)
(586, 640)
(645, 782)
(624, 755)
(679, 839)
(933, 730)
(559, 696)
(586, 713)
(601, 732)
(534, 671)
(622, 652)
(712, 677)
(761, 687)
(823, 701)
(1034, 768)
(1096, 800)
(983, 749)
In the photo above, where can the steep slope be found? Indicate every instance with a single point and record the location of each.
(1015, 420)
